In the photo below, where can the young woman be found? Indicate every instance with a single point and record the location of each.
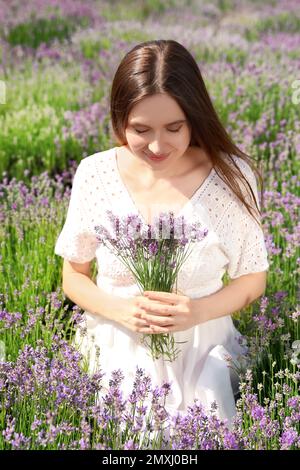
(173, 153)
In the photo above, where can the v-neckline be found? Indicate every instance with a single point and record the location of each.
(202, 187)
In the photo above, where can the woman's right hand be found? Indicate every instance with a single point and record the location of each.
(128, 314)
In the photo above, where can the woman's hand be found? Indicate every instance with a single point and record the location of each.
(129, 314)
(167, 312)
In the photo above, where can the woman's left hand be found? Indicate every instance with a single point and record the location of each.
(167, 312)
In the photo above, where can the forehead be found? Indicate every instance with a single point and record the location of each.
(159, 109)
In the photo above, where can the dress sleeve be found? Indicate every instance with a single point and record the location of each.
(243, 238)
(77, 242)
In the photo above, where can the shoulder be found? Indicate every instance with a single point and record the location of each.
(94, 166)
(90, 170)
(247, 173)
(247, 184)
(243, 166)
(97, 158)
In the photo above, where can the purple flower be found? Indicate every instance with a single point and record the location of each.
(257, 412)
(230, 441)
(154, 262)
(130, 445)
(288, 438)
(153, 248)
(293, 402)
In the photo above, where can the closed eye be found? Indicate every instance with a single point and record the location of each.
(142, 132)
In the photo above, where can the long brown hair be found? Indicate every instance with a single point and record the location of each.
(165, 66)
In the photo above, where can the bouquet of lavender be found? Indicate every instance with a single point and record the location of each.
(154, 254)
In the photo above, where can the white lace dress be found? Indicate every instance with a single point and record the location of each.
(234, 243)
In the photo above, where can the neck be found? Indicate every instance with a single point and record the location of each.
(151, 176)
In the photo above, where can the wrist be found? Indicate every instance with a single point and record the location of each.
(200, 307)
(110, 307)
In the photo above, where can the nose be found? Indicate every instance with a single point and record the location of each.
(157, 148)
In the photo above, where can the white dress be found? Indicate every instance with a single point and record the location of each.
(234, 243)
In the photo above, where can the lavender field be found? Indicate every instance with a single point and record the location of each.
(57, 61)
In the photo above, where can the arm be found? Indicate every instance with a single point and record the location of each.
(178, 313)
(79, 287)
(83, 291)
(237, 295)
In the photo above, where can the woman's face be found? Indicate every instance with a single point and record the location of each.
(157, 126)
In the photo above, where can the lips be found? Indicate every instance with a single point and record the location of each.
(156, 157)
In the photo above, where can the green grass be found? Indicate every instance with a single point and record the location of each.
(43, 30)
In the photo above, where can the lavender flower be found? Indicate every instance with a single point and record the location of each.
(154, 254)
(288, 438)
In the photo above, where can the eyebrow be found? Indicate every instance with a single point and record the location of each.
(136, 123)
